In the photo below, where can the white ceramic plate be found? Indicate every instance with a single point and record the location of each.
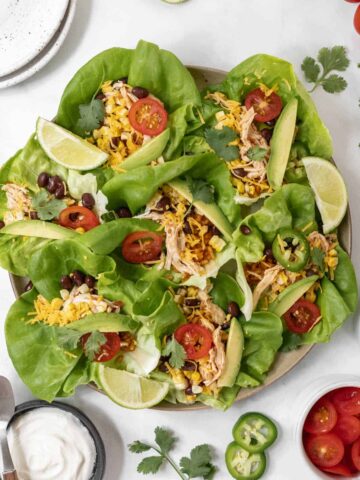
(46, 54)
(26, 27)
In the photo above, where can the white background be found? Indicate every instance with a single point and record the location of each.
(214, 33)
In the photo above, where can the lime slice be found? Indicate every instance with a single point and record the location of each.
(330, 191)
(130, 390)
(68, 149)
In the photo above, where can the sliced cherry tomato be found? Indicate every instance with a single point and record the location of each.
(357, 20)
(325, 450)
(355, 454)
(148, 116)
(353, 1)
(140, 247)
(108, 350)
(347, 400)
(321, 418)
(266, 107)
(347, 428)
(195, 339)
(78, 217)
(340, 469)
(302, 316)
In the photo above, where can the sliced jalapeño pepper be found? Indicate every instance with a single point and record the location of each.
(243, 465)
(291, 249)
(254, 432)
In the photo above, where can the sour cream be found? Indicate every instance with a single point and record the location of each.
(51, 444)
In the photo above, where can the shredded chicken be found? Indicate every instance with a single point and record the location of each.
(217, 314)
(268, 278)
(216, 360)
(18, 202)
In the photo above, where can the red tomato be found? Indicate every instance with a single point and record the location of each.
(355, 454)
(347, 400)
(266, 107)
(347, 428)
(148, 116)
(340, 469)
(195, 339)
(353, 1)
(302, 316)
(321, 418)
(107, 351)
(326, 450)
(78, 217)
(140, 247)
(357, 20)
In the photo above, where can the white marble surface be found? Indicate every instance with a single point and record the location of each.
(215, 33)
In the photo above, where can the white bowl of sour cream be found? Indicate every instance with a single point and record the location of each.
(55, 441)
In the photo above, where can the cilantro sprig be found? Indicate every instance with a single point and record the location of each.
(201, 190)
(256, 153)
(198, 464)
(219, 141)
(69, 340)
(318, 71)
(46, 206)
(176, 352)
(91, 114)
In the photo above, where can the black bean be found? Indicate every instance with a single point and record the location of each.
(78, 277)
(123, 79)
(140, 92)
(28, 286)
(239, 172)
(163, 368)
(60, 191)
(245, 229)
(268, 252)
(192, 302)
(188, 391)
(73, 216)
(163, 204)
(88, 200)
(214, 230)
(310, 273)
(233, 309)
(124, 212)
(2, 224)
(43, 179)
(266, 134)
(115, 141)
(225, 326)
(90, 281)
(100, 96)
(34, 215)
(270, 123)
(66, 282)
(53, 183)
(189, 366)
(187, 227)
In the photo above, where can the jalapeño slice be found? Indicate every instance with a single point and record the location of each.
(243, 465)
(254, 432)
(291, 249)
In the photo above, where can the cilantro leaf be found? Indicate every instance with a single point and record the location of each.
(176, 352)
(317, 257)
(138, 447)
(256, 153)
(328, 60)
(199, 463)
(150, 464)
(311, 69)
(93, 344)
(91, 116)
(201, 190)
(219, 141)
(46, 207)
(67, 338)
(165, 439)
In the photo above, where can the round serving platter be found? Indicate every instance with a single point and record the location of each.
(284, 361)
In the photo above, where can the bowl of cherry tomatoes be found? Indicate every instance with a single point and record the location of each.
(329, 428)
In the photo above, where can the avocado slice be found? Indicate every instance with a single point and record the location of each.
(281, 142)
(234, 351)
(149, 152)
(210, 210)
(38, 228)
(291, 294)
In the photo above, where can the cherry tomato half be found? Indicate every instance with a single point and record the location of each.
(78, 217)
(266, 107)
(347, 428)
(357, 20)
(148, 116)
(355, 454)
(347, 400)
(326, 450)
(340, 469)
(353, 1)
(302, 316)
(140, 247)
(108, 350)
(321, 418)
(195, 339)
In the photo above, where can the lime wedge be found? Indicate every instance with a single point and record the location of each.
(68, 149)
(130, 390)
(330, 191)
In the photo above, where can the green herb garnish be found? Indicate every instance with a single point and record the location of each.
(318, 71)
(256, 153)
(45, 206)
(317, 258)
(201, 190)
(93, 344)
(176, 352)
(219, 141)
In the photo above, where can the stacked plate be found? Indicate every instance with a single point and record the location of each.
(31, 33)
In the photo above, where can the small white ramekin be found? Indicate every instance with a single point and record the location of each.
(305, 400)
